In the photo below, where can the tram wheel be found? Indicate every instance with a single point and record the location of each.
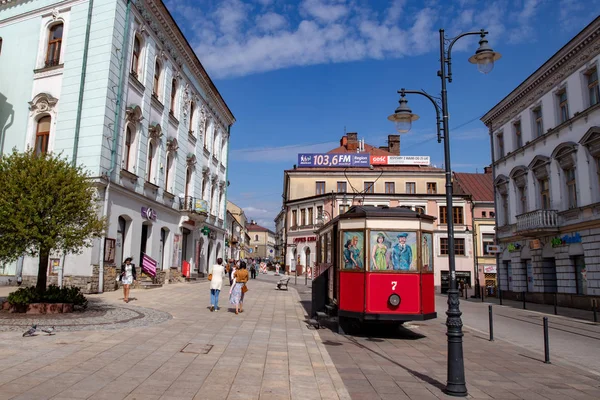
(348, 326)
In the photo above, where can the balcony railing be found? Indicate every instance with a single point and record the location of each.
(195, 208)
(537, 220)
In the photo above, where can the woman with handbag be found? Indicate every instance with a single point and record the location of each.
(127, 277)
(238, 289)
(215, 276)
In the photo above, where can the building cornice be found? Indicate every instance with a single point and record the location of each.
(575, 54)
(158, 17)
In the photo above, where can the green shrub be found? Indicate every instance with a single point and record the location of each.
(53, 294)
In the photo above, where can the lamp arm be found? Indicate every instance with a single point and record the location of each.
(437, 107)
(482, 32)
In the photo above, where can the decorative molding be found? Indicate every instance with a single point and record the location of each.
(43, 103)
(55, 14)
(214, 177)
(205, 170)
(556, 69)
(190, 159)
(155, 131)
(591, 140)
(134, 113)
(172, 144)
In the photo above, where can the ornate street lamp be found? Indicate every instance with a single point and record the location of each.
(403, 116)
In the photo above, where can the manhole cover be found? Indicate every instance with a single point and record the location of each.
(197, 348)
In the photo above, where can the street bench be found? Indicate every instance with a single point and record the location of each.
(282, 283)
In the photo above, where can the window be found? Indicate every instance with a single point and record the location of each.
(310, 216)
(483, 214)
(0, 46)
(173, 95)
(135, 59)
(544, 193)
(256, 238)
(487, 239)
(459, 246)
(169, 165)
(341, 187)
(518, 135)
(597, 159)
(492, 214)
(54, 44)
(538, 124)
(150, 159)
(431, 188)
(500, 140)
(127, 149)
(343, 208)
(420, 210)
(571, 187)
(522, 198)
(593, 89)
(580, 274)
(390, 187)
(320, 187)
(563, 106)
(411, 187)
(458, 215)
(294, 218)
(192, 108)
(319, 212)
(303, 216)
(42, 134)
(443, 215)
(369, 187)
(156, 86)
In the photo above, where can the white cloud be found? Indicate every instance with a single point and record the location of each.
(241, 37)
(280, 154)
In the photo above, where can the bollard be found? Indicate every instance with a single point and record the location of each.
(500, 295)
(466, 293)
(524, 306)
(546, 342)
(595, 309)
(482, 294)
(491, 324)
(555, 305)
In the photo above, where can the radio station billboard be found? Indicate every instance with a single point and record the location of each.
(333, 160)
(400, 160)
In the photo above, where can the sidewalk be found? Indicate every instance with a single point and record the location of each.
(266, 352)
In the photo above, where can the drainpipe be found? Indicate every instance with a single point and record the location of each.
(82, 81)
(113, 150)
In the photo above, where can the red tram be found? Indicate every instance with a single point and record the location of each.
(375, 265)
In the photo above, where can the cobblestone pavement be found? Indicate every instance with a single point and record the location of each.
(266, 352)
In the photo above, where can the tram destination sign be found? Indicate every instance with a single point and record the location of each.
(333, 160)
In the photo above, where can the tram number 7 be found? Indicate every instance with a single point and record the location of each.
(394, 283)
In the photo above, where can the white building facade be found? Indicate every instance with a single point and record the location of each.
(115, 85)
(546, 156)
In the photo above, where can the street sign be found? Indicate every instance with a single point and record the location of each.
(493, 249)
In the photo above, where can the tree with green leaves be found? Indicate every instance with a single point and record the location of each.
(46, 205)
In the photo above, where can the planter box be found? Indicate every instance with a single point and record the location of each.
(39, 308)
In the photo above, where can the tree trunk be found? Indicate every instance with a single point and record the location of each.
(42, 270)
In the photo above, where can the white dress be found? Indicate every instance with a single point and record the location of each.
(217, 271)
(128, 277)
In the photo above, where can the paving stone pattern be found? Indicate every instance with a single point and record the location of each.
(266, 352)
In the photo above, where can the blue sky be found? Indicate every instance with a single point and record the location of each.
(297, 74)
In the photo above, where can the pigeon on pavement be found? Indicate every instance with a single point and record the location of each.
(49, 331)
(31, 331)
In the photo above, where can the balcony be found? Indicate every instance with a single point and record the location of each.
(196, 209)
(538, 221)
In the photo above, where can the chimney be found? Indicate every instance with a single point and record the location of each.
(352, 141)
(487, 170)
(344, 141)
(394, 144)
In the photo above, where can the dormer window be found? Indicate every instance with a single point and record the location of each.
(55, 36)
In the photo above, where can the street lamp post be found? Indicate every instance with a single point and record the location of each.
(403, 117)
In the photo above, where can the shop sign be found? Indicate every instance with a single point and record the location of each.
(333, 160)
(514, 247)
(566, 239)
(489, 269)
(148, 213)
(305, 239)
(400, 160)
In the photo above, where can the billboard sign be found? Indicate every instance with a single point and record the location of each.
(400, 160)
(333, 160)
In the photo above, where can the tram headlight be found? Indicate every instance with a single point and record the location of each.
(394, 300)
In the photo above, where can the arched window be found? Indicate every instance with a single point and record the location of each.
(157, 71)
(42, 135)
(150, 159)
(127, 148)
(135, 59)
(173, 95)
(192, 107)
(188, 181)
(169, 164)
(54, 44)
(256, 238)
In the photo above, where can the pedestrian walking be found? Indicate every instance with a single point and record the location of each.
(237, 291)
(233, 269)
(215, 274)
(127, 277)
(253, 271)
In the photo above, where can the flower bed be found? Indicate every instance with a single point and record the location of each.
(54, 300)
(38, 308)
